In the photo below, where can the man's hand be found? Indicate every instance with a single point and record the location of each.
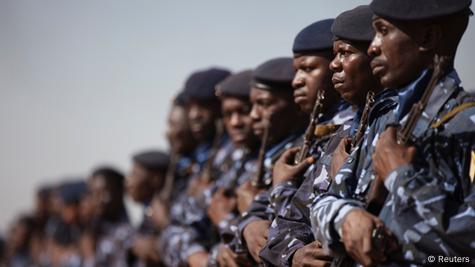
(144, 248)
(220, 206)
(226, 257)
(256, 234)
(389, 155)
(159, 213)
(312, 255)
(357, 232)
(245, 195)
(197, 186)
(198, 259)
(285, 170)
(340, 155)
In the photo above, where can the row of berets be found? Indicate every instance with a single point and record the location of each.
(359, 150)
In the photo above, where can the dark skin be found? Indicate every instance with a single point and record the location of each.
(179, 134)
(285, 119)
(238, 124)
(106, 198)
(256, 234)
(143, 183)
(201, 117)
(400, 52)
(352, 78)
(312, 75)
(312, 255)
(285, 115)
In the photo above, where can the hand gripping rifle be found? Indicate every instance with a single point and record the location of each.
(378, 193)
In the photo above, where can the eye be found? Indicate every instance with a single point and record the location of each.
(306, 69)
(382, 30)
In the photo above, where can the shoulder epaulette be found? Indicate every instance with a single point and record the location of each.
(452, 114)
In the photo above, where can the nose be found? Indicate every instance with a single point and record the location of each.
(335, 64)
(298, 80)
(255, 116)
(193, 114)
(235, 120)
(374, 48)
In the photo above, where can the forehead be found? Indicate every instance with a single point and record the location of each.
(311, 58)
(260, 93)
(231, 101)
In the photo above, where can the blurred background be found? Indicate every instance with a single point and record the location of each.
(88, 82)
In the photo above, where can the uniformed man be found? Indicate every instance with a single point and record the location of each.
(413, 40)
(212, 156)
(146, 177)
(291, 242)
(110, 229)
(182, 144)
(274, 112)
(234, 95)
(67, 232)
(17, 250)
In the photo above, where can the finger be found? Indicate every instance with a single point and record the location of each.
(391, 132)
(366, 251)
(302, 166)
(229, 259)
(289, 155)
(321, 254)
(317, 263)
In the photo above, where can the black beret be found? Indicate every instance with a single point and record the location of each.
(72, 192)
(417, 10)
(153, 160)
(316, 36)
(354, 24)
(201, 84)
(238, 84)
(180, 99)
(274, 74)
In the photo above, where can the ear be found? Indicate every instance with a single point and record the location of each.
(430, 37)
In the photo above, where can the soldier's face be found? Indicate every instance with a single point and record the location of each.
(281, 109)
(312, 74)
(179, 133)
(237, 120)
(398, 58)
(139, 184)
(100, 195)
(352, 75)
(201, 117)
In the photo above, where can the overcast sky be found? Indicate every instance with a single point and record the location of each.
(89, 82)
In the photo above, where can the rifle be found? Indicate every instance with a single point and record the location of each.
(345, 260)
(167, 189)
(378, 193)
(206, 174)
(259, 181)
(363, 120)
(309, 136)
